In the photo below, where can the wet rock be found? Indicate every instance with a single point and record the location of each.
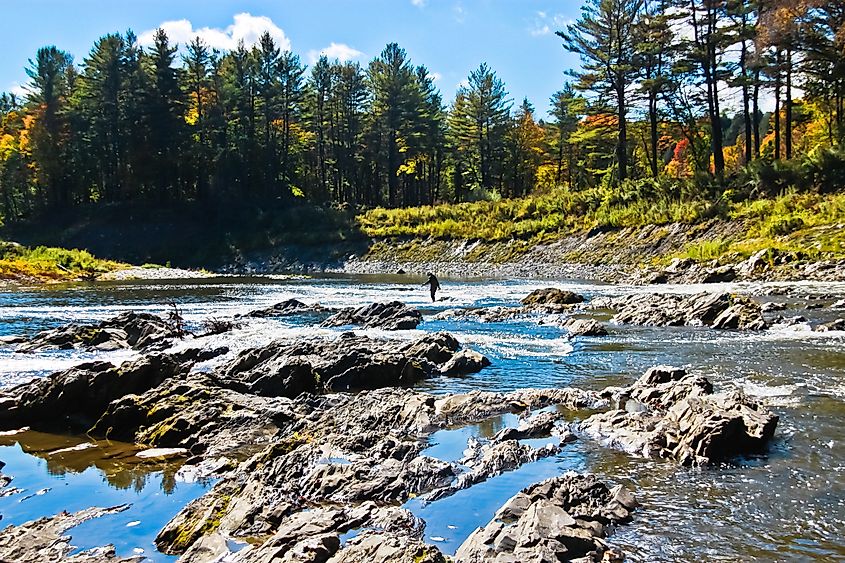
(539, 426)
(721, 274)
(488, 460)
(127, 330)
(73, 399)
(478, 405)
(584, 327)
(393, 315)
(716, 310)
(11, 340)
(669, 414)
(465, 362)
(837, 325)
(772, 306)
(196, 414)
(287, 308)
(561, 519)
(387, 548)
(347, 362)
(552, 296)
(498, 314)
(45, 540)
(838, 304)
(347, 451)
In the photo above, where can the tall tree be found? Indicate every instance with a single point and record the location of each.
(605, 39)
(50, 77)
(481, 119)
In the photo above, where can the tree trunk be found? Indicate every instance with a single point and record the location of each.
(789, 103)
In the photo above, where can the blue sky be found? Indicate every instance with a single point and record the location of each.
(451, 37)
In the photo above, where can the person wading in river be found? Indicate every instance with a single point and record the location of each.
(435, 285)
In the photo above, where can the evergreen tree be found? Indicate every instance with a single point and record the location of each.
(605, 39)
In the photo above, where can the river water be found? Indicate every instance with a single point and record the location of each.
(786, 505)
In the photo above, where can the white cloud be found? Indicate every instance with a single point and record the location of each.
(18, 90)
(419, 3)
(245, 27)
(459, 12)
(339, 51)
(435, 76)
(546, 24)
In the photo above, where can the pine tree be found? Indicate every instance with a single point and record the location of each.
(605, 39)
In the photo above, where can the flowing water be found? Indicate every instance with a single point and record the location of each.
(786, 505)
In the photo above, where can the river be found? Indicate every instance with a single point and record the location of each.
(786, 505)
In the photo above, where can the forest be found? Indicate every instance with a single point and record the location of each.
(666, 106)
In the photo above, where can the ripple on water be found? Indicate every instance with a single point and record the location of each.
(786, 505)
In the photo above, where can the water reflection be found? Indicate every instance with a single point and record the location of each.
(115, 461)
(55, 473)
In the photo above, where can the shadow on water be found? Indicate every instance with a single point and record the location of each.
(51, 473)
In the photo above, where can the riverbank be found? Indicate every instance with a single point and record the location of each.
(793, 237)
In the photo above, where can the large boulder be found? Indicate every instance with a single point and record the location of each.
(127, 330)
(393, 315)
(347, 362)
(716, 310)
(670, 414)
(552, 296)
(561, 519)
(75, 398)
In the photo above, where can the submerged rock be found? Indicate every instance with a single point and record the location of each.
(670, 414)
(127, 330)
(393, 315)
(716, 310)
(561, 519)
(552, 296)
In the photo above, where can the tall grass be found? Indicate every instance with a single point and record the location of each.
(806, 223)
(47, 263)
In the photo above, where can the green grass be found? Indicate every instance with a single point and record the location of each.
(50, 264)
(561, 212)
(801, 223)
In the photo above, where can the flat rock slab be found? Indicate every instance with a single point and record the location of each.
(393, 315)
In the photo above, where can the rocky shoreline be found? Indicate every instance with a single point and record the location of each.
(315, 444)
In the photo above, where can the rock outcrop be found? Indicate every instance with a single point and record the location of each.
(716, 310)
(393, 315)
(75, 398)
(561, 519)
(287, 308)
(45, 540)
(552, 296)
(349, 451)
(127, 330)
(670, 414)
(347, 362)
